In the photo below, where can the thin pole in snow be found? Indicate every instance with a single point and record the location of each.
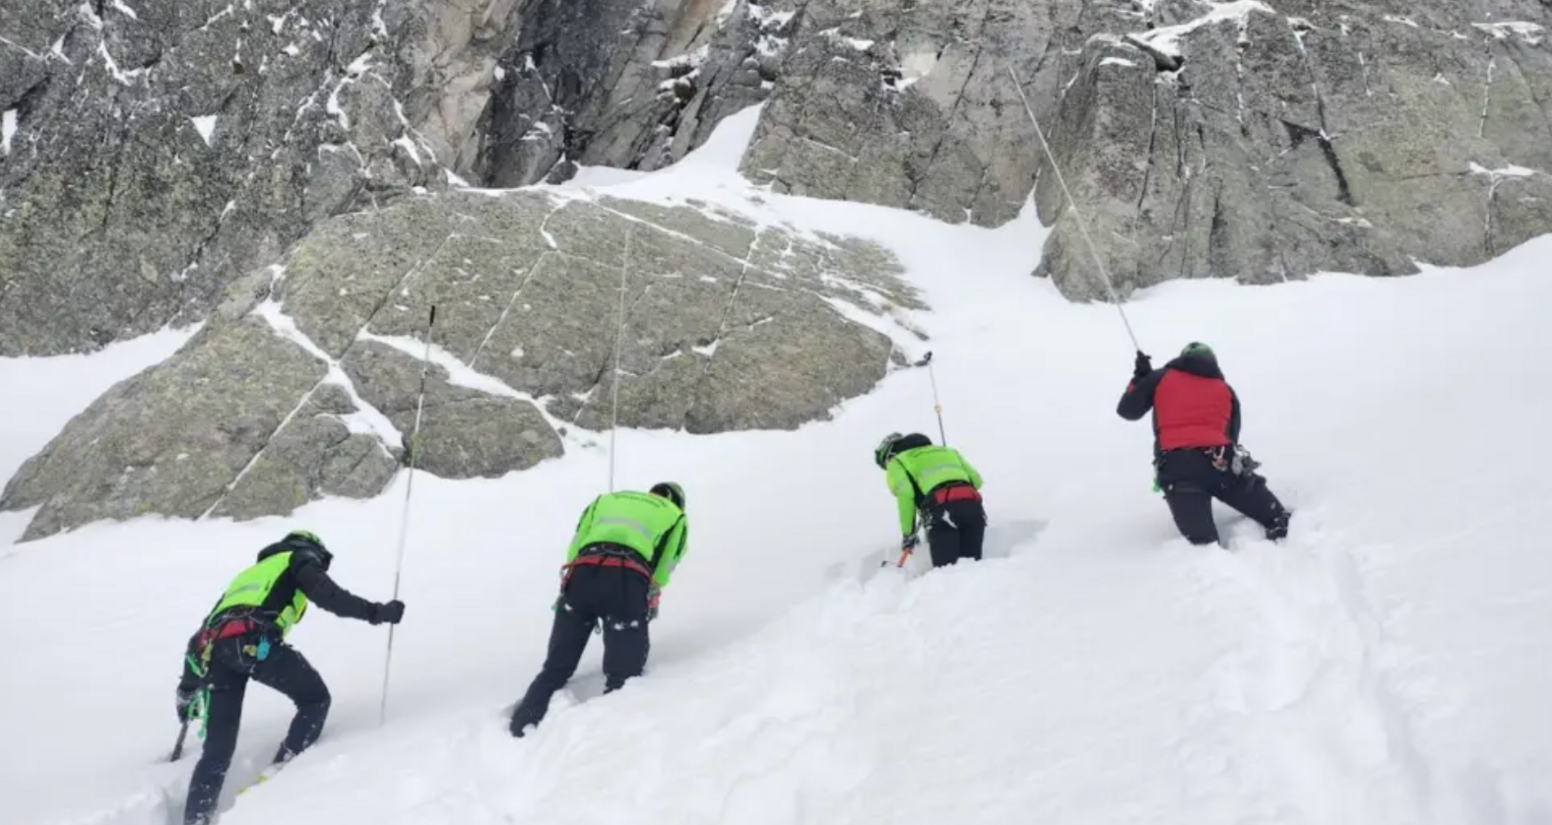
(619, 337)
(409, 487)
(1076, 211)
(937, 406)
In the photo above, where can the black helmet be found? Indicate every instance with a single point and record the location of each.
(302, 538)
(306, 543)
(885, 449)
(671, 491)
(1197, 348)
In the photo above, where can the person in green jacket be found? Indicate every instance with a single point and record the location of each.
(243, 638)
(943, 488)
(623, 554)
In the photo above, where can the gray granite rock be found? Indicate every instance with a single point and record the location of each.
(162, 150)
(464, 433)
(170, 440)
(1296, 137)
(307, 381)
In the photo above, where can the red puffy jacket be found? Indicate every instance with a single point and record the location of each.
(1193, 406)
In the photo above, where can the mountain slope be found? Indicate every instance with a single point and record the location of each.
(1377, 667)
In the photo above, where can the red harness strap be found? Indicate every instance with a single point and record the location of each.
(227, 630)
(605, 561)
(613, 561)
(955, 492)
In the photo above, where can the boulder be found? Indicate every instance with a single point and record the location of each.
(172, 439)
(527, 287)
(309, 377)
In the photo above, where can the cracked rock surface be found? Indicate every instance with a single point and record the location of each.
(1255, 140)
(1269, 140)
(155, 151)
(170, 439)
(908, 104)
(305, 380)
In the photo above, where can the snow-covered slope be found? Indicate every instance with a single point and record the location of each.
(1384, 665)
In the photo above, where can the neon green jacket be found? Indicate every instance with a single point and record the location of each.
(252, 587)
(251, 592)
(649, 524)
(915, 472)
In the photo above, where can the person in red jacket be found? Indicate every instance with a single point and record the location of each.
(1196, 451)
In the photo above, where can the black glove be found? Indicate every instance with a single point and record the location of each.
(186, 697)
(654, 596)
(391, 613)
(1142, 366)
(909, 542)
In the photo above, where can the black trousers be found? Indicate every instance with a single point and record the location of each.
(612, 597)
(285, 670)
(955, 531)
(1191, 481)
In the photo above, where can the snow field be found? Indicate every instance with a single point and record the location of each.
(1378, 667)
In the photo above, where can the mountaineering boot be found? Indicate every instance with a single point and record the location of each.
(569, 634)
(1279, 528)
(609, 599)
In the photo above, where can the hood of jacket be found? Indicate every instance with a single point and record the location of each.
(1199, 364)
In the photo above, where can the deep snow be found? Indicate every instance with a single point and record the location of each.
(1384, 665)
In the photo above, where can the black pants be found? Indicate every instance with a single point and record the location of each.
(955, 531)
(616, 597)
(1191, 481)
(285, 670)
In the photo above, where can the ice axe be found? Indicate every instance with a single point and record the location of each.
(905, 553)
(200, 707)
(177, 747)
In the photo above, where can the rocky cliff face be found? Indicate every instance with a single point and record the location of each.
(1269, 140)
(224, 160)
(155, 151)
(152, 156)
